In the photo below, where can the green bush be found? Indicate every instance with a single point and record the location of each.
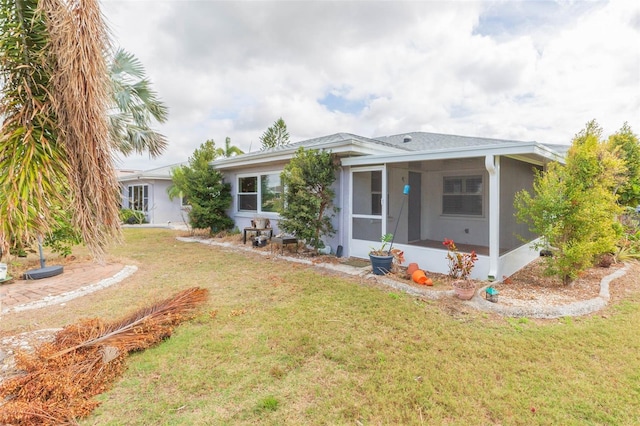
(574, 206)
(132, 217)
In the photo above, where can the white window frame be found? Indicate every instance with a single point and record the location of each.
(145, 198)
(257, 193)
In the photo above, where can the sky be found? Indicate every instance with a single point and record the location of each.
(524, 70)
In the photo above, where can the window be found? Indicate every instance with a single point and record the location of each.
(248, 194)
(259, 193)
(462, 195)
(138, 197)
(270, 192)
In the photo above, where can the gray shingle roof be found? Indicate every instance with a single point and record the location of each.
(423, 141)
(336, 137)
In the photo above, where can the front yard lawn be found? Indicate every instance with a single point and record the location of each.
(281, 343)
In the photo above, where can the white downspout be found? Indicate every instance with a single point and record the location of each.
(492, 164)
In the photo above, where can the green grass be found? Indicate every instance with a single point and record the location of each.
(282, 343)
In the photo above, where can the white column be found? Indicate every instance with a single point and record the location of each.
(492, 163)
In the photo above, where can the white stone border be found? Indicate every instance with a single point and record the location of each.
(124, 273)
(573, 309)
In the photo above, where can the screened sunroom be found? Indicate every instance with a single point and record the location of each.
(463, 196)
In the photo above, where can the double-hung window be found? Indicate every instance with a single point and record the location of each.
(259, 193)
(462, 195)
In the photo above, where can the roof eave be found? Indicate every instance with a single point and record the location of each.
(142, 177)
(543, 153)
(350, 147)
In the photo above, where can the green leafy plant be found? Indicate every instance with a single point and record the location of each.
(204, 187)
(131, 217)
(398, 255)
(308, 197)
(574, 207)
(382, 250)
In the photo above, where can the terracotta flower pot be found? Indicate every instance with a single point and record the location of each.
(419, 277)
(412, 268)
(464, 289)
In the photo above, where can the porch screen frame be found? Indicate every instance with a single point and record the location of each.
(361, 247)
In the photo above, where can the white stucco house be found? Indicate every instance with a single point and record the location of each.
(461, 188)
(146, 191)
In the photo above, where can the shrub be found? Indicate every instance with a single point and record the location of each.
(574, 206)
(132, 217)
(308, 199)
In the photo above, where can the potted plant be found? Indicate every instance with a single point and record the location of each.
(382, 258)
(460, 266)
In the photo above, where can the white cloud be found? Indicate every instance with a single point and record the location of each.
(522, 70)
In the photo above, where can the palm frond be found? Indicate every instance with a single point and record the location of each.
(78, 40)
(144, 327)
(136, 106)
(84, 359)
(124, 64)
(32, 158)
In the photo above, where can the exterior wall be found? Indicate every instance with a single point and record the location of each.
(243, 219)
(515, 260)
(461, 229)
(514, 177)
(161, 208)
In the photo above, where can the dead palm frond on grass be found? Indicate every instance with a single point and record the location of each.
(84, 359)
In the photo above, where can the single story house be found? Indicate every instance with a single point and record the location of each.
(461, 188)
(146, 191)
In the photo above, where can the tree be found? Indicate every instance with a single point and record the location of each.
(228, 150)
(276, 135)
(135, 106)
(208, 195)
(308, 197)
(573, 206)
(55, 132)
(626, 144)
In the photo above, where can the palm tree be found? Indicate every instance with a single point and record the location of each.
(54, 101)
(135, 105)
(228, 150)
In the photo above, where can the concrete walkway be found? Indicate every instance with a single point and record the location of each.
(75, 281)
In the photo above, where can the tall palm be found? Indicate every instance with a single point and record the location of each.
(55, 132)
(135, 106)
(228, 150)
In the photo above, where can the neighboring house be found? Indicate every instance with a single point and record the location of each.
(146, 191)
(462, 188)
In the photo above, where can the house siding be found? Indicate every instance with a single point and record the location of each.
(161, 209)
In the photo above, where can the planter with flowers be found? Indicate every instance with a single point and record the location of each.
(460, 266)
(382, 260)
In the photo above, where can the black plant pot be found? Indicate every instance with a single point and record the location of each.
(381, 264)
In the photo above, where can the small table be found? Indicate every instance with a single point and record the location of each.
(258, 232)
(283, 241)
